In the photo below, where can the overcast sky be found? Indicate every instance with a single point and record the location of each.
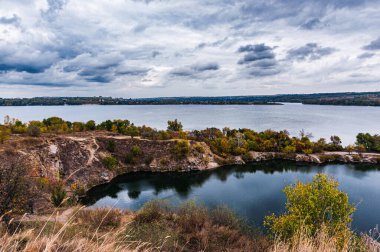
(149, 48)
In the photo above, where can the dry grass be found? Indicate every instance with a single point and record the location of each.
(323, 242)
(161, 227)
(85, 230)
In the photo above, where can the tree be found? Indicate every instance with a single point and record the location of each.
(370, 142)
(90, 125)
(174, 125)
(16, 187)
(132, 131)
(5, 133)
(311, 206)
(350, 148)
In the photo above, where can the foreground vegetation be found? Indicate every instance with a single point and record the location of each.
(317, 218)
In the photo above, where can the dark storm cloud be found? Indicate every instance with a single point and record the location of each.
(195, 70)
(310, 51)
(259, 60)
(374, 45)
(255, 53)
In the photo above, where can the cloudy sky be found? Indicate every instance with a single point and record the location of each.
(149, 48)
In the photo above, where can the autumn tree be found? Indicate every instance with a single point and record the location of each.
(312, 206)
(16, 187)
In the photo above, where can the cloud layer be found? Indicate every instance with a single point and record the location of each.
(142, 48)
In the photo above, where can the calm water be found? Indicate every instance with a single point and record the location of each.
(253, 191)
(322, 121)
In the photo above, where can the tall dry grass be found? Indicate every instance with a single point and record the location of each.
(301, 242)
(158, 227)
(83, 231)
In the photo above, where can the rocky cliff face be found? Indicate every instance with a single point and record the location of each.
(81, 158)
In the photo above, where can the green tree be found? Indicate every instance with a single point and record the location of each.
(174, 125)
(132, 131)
(312, 206)
(90, 125)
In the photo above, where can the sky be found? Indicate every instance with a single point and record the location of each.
(151, 48)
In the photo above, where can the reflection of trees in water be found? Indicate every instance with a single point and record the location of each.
(184, 182)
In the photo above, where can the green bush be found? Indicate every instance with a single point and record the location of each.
(110, 162)
(136, 151)
(199, 148)
(111, 145)
(58, 194)
(90, 125)
(312, 206)
(152, 211)
(181, 149)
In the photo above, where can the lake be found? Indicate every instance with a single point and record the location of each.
(253, 191)
(322, 121)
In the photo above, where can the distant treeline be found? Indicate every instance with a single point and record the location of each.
(358, 99)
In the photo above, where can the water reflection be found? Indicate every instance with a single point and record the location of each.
(252, 190)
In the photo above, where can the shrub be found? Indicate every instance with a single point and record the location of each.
(289, 149)
(16, 187)
(33, 130)
(199, 148)
(152, 211)
(129, 158)
(223, 216)
(99, 218)
(181, 149)
(192, 217)
(136, 151)
(110, 162)
(5, 133)
(78, 126)
(111, 145)
(58, 194)
(312, 206)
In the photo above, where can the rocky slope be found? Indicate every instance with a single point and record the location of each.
(78, 160)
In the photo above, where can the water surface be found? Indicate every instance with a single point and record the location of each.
(253, 191)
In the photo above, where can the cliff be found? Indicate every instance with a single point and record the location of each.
(84, 160)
